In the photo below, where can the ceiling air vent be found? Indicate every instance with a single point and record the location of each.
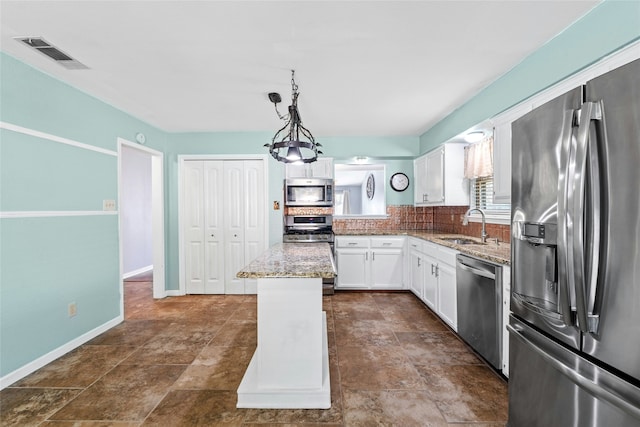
(46, 48)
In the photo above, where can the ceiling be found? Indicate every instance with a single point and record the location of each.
(365, 68)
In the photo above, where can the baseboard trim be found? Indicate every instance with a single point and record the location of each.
(173, 293)
(33, 366)
(136, 272)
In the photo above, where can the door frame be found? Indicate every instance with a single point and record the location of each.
(182, 288)
(157, 218)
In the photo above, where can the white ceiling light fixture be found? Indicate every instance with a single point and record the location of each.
(41, 45)
(293, 143)
(475, 136)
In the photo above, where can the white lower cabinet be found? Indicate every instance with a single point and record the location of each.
(432, 275)
(370, 262)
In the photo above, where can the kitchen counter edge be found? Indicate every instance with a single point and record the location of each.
(500, 254)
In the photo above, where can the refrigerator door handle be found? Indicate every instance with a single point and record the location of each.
(564, 296)
(588, 384)
(585, 153)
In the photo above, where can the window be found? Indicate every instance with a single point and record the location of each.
(481, 196)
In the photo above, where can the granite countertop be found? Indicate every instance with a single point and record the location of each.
(500, 253)
(292, 260)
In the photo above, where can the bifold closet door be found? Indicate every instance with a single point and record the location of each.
(203, 227)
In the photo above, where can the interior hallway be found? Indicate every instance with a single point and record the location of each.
(179, 361)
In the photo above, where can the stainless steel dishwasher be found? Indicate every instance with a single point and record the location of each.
(479, 296)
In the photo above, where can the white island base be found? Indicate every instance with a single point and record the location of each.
(290, 368)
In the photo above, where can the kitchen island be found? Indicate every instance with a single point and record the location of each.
(290, 367)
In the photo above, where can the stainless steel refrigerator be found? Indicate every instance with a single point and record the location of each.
(575, 292)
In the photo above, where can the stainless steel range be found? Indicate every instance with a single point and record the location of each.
(311, 229)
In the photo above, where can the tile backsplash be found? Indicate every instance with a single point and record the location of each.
(444, 219)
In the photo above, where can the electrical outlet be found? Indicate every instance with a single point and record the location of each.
(72, 309)
(108, 205)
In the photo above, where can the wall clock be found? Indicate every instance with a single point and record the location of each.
(399, 181)
(371, 186)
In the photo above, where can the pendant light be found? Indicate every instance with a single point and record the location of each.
(293, 143)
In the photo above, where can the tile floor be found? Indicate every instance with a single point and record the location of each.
(179, 361)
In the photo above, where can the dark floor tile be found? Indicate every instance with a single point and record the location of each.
(369, 376)
(216, 368)
(197, 408)
(436, 348)
(126, 393)
(131, 332)
(390, 408)
(79, 368)
(30, 406)
(179, 346)
(363, 332)
(467, 393)
(90, 424)
(240, 333)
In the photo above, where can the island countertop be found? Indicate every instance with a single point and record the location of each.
(292, 260)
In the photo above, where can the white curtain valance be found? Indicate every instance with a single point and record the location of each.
(478, 159)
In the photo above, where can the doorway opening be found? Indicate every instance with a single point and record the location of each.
(141, 216)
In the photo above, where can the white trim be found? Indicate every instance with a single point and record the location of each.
(54, 138)
(173, 293)
(47, 214)
(182, 287)
(491, 218)
(41, 361)
(138, 271)
(157, 218)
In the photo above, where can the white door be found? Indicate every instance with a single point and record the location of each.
(430, 289)
(234, 224)
(214, 228)
(255, 201)
(204, 267)
(416, 273)
(193, 227)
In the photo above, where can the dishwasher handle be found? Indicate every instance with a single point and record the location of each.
(477, 271)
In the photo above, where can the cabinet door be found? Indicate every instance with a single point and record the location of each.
(353, 265)
(321, 168)
(502, 163)
(416, 273)
(430, 288)
(435, 177)
(295, 170)
(386, 269)
(420, 175)
(447, 303)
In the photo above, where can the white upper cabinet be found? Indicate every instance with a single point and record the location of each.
(439, 177)
(502, 163)
(321, 168)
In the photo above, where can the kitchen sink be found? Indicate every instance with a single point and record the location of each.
(461, 241)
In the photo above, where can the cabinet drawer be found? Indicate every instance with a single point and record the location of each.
(416, 244)
(447, 256)
(431, 249)
(387, 242)
(352, 242)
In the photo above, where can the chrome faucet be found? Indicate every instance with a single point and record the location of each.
(465, 221)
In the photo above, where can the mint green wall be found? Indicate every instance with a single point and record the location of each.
(48, 262)
(397, 153)
(608, 27)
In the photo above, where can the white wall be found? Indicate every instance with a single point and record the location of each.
(375, 206)
(136, 210)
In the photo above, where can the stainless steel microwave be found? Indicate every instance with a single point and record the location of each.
(308, 192)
